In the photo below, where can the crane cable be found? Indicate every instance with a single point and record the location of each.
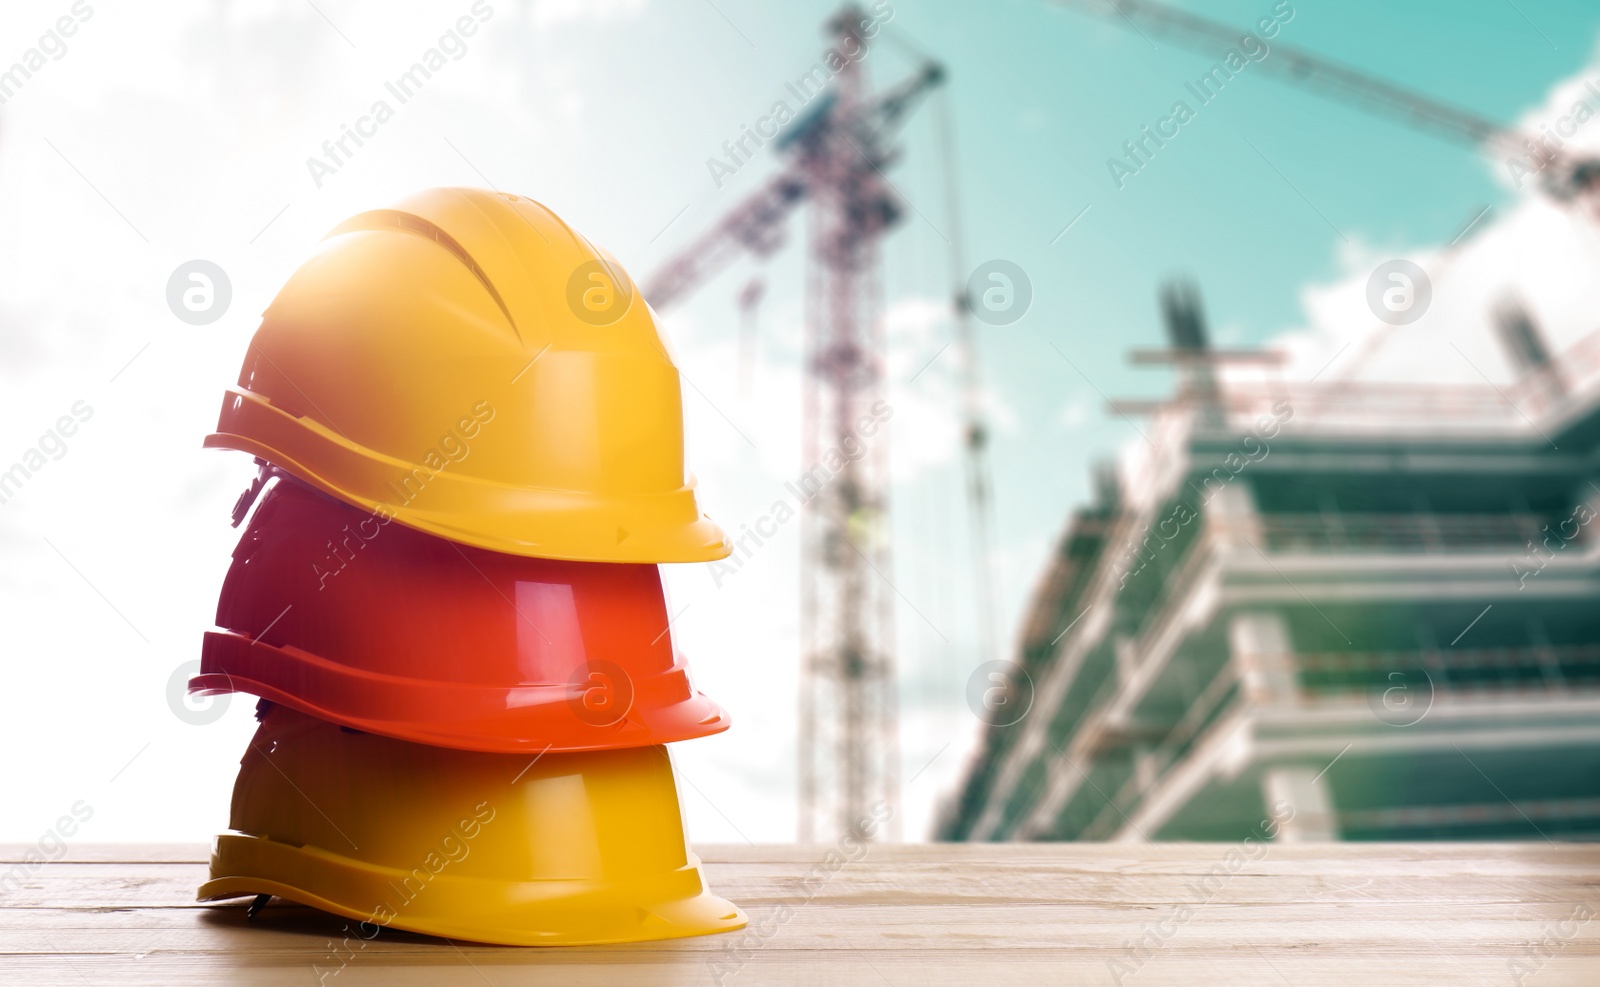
(975, 433)
(1356, 88)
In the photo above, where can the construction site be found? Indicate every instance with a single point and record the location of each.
(1358, 608)
(1380, 598)
(876, 492)
(1362, 601)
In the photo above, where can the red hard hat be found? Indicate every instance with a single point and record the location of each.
(343, 615)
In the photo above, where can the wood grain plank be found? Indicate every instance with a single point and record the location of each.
(847, 968)
(1030, 914)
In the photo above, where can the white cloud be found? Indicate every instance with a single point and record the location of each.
(1074, 414)
(1568, 120)
(548, 13)
(1535, 249)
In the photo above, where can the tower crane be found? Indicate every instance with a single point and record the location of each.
(1567, 177)
(834, 158)
(1563, 175)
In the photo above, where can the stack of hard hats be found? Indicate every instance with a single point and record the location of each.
(471, 448)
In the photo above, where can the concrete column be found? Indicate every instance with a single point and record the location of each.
(1307, 794)
(1127, 657)
(1263, 656)
(1585, 516)
(1144, 767)
(1231, 514)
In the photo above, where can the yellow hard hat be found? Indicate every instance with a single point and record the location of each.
(470, 366)
(562, 849)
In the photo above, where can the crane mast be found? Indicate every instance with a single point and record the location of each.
(835, 159)
(848, 685)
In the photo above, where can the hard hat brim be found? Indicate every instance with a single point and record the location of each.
(543, 523)
(662, 708)
(523, 913)
(559, 849)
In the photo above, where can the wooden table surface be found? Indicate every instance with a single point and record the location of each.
(1026, 914)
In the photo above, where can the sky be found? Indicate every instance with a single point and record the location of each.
(154, 138)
